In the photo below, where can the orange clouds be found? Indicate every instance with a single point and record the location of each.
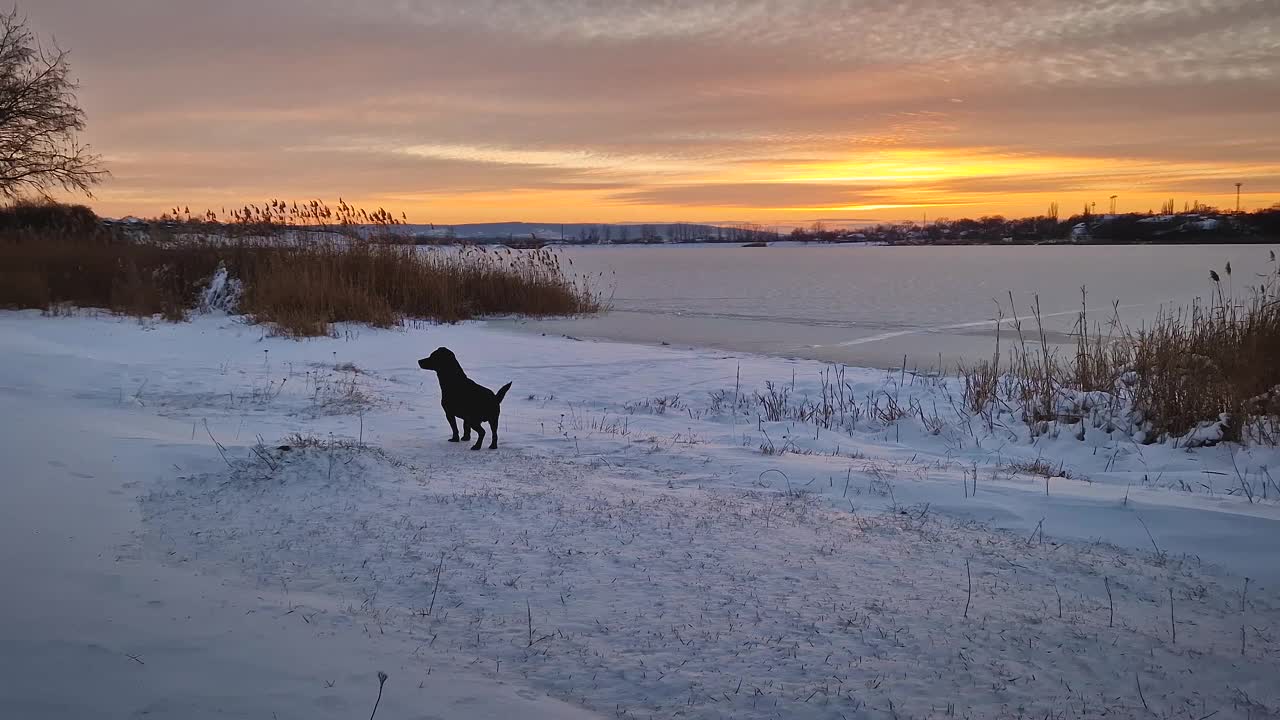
(569, 110)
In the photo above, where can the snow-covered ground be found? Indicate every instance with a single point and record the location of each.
(201, 520)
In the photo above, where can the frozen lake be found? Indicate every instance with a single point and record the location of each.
(873, 305)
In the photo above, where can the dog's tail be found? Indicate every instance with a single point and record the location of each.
(502, 391)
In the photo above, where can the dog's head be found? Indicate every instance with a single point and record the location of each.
(442, 360)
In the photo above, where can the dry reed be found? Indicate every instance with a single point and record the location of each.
(299, 278)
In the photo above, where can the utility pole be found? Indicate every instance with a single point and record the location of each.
(1113, 204)
(1238, 197)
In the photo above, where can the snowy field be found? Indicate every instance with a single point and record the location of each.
(199, 520)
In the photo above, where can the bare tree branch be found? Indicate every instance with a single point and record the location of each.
(40, 118)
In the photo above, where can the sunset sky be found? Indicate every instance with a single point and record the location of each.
(777, 112)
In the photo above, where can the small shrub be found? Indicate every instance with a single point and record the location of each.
(1041, 467)
(46, 215)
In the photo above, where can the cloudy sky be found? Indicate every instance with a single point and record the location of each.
(771, 111)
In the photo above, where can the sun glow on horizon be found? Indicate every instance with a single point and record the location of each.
(896, 183)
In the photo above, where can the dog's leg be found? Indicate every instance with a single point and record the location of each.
(453, 423)
(493, 427)
(479, 435)
(466, 430)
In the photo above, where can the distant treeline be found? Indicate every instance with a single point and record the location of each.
(599, 234)
(1195, 224)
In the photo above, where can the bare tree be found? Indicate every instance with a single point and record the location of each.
(39, 117)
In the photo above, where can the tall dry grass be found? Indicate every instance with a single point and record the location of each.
(1215, 359)
(303, 288)
(298, 278)
(1216, 362)
(278, 218)
(47, 267)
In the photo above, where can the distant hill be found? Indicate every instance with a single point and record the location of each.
(587, 232)
(524, 233)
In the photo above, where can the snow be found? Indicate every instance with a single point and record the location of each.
(201, 520)
(222, 293)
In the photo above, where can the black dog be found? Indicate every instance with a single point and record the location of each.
(462, 397)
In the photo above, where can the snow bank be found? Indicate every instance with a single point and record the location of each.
(222, 522)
